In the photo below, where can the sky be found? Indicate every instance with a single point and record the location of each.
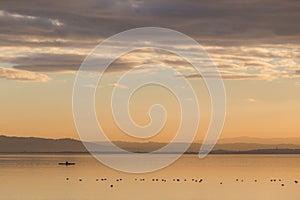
(254, 44)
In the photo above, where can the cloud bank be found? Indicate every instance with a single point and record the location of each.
(247, 40)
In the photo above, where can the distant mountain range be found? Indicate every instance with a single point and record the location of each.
(292, 140)
(242, 145)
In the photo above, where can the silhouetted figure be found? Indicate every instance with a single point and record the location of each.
(66, 163)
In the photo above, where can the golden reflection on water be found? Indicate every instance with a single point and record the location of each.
(223, 177)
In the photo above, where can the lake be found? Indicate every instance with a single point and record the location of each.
(240, 177)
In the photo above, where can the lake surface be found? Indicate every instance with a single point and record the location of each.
(241, 177)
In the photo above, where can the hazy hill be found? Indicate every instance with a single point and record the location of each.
(32, 144)
(293, 140)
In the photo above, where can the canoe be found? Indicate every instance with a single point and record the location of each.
(66, 163)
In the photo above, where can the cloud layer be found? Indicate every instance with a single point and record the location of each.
(246, 39)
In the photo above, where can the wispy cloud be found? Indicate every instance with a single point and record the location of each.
(22, 75)
(110, 85)
(251, 100)
(227, 75)
(114, 85)
(27, 18)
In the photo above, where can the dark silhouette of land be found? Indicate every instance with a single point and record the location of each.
(225, 146)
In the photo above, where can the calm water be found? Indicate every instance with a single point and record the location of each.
(40, 177)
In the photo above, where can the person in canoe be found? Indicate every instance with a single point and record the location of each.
(67, 163)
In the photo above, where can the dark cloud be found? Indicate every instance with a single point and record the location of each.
(51, 62)
(228, 22)
(63, 63)
(48, 62)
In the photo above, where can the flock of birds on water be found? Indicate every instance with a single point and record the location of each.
(173, 180)
(178, 180)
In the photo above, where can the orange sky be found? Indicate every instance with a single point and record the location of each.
(255, 109)
(256, 50)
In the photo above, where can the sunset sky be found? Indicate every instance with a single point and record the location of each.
(255, 45)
